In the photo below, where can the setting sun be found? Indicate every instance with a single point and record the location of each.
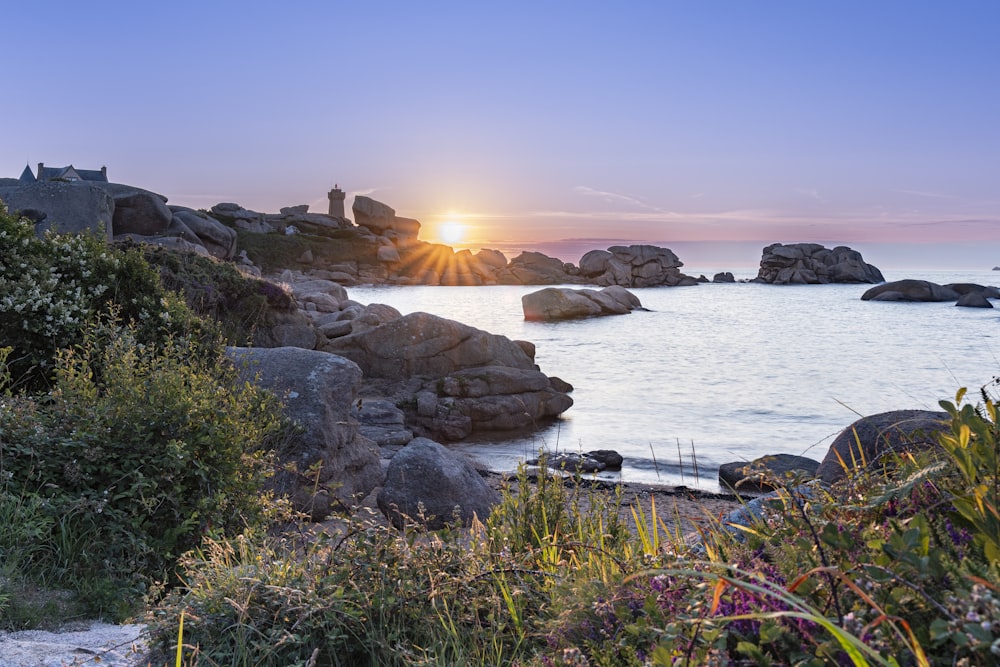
(451, 232)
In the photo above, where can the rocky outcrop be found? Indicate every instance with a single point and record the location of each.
(433, 486)
(424, 344)
(563, 303)
(383, 221)
(812, 264)
(634, 266)
(866, 442)
(141, 213)
(723, 277)
(535, 268)
(218, 239)
(910, 290)
(767, 472)
(452, 379)
(62, 207)
(332, 461)
(382, 422)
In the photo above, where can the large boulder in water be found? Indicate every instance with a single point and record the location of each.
(865, 443)
(634, 266)
(562, 303)
(811, 263)
(318, 391)
(910, 290)
(432, 485)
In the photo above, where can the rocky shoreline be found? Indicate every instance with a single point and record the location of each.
(365, 380)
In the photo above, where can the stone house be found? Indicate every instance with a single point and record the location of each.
(69, 173)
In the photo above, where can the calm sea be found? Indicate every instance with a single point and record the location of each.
(727, 372)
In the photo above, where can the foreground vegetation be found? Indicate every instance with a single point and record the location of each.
(132, 465)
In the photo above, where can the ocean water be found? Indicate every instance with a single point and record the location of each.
(727, 372)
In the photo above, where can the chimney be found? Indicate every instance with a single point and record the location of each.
(38, 175)
(104, 172)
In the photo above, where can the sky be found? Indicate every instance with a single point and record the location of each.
(553, 126)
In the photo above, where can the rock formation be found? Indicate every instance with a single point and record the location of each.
(811, 264)
(62, 207)
(563, 303)
(332, 461)
(866, 442)
(452, 379)
(634, 266)
(433, 486)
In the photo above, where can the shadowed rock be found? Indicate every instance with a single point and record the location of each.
(910, 290)
(767, 472)
(865, 442)
(318, 392)
(432, 485)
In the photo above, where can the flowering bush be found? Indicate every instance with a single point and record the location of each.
(51, 287)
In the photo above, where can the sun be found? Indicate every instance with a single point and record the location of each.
(451, 232)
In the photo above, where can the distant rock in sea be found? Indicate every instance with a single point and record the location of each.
(813, 264)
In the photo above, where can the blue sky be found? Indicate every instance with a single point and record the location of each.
(535, 122)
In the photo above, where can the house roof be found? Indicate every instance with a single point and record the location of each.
(26, 175)
(52, 173)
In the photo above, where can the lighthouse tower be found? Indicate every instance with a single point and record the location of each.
(336, 197)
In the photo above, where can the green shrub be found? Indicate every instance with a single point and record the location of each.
(133, 465)
(51, 287)
(217, 290)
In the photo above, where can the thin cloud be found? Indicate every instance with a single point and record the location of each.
(614, 196)
(930, 195)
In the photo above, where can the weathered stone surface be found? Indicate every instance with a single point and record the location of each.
(424, 344)
(382, 422)
(910, 290)
(962, 289)
(218, 239)
(767, 472)
(597, 460)
(868, 440)
(433, 486)
(535, 268)
(635, 266)
(293, 329)
(382, 220)
(486, 399)
(562, 303)
(492, 258)
(594, 263)
(69, 208)
(724, 277)
(811, 263)
(974, 300)
(142, 213)
(318, 391)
